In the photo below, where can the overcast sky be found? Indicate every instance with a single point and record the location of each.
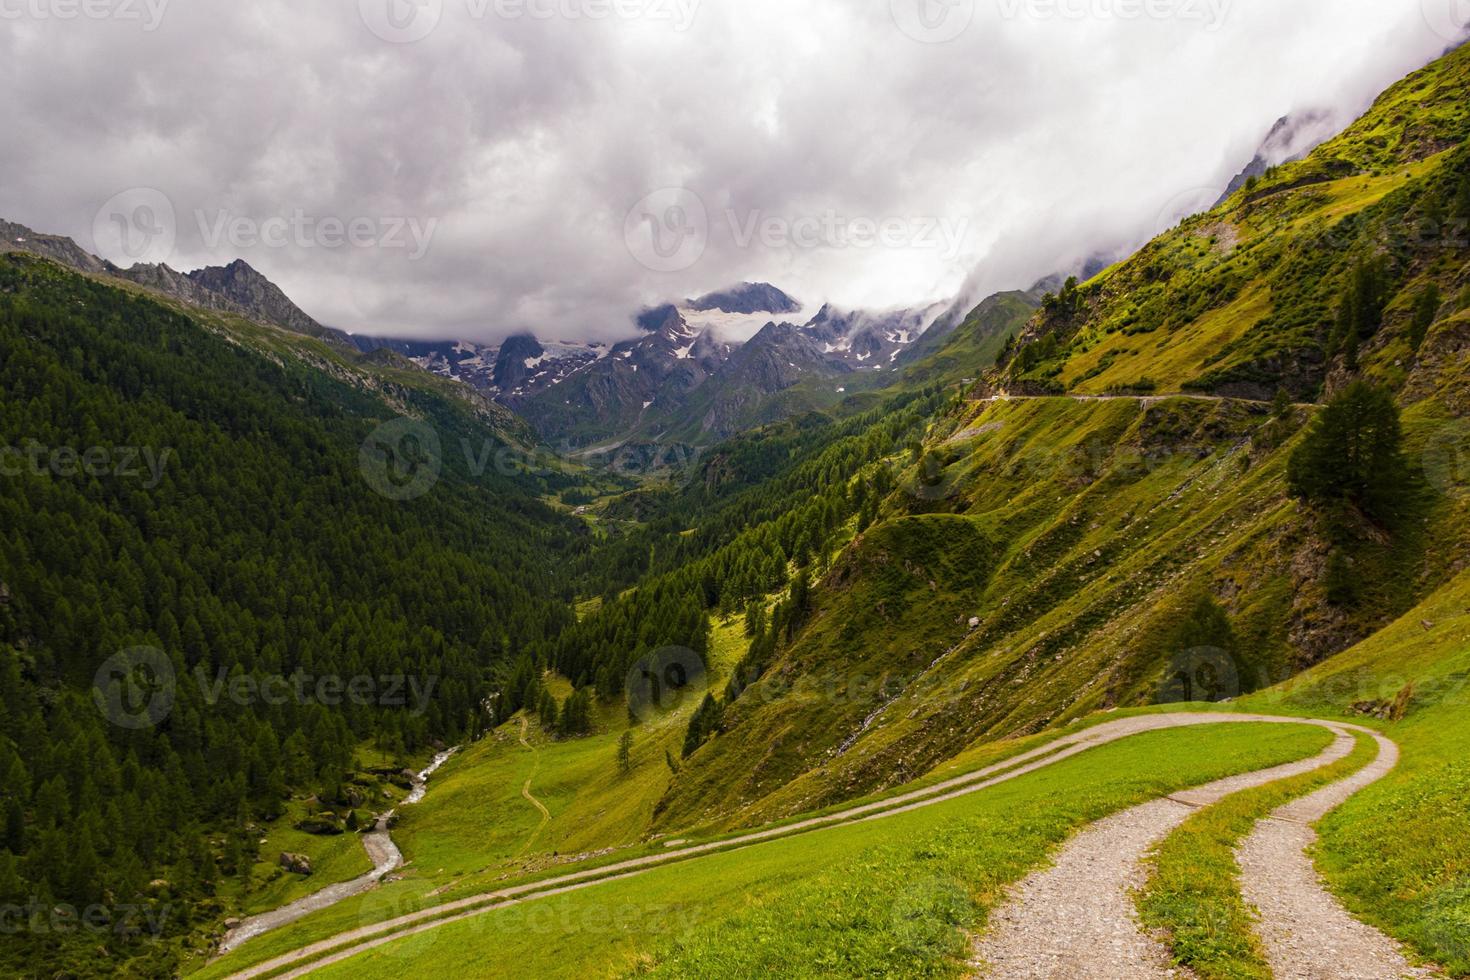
(473, 168)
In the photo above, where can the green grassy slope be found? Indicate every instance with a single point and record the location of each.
(972, 346)
(1086, 531)
(1242, 299)
(1078, 534)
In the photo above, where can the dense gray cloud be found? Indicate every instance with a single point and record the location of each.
(482, 179)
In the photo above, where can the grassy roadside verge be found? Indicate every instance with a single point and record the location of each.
(1193, 894)
(413, 894)
(892, 897)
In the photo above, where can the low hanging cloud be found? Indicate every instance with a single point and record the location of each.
(474, 168)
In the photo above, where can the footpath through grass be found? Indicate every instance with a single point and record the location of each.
(892, 897)
(1398, 853)
(1193, 895)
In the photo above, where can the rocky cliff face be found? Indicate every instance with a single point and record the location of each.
(241, 287)
(19, 238)
(1290, 139)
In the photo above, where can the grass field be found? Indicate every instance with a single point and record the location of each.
(892, 897)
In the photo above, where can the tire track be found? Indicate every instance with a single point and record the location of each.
(1307, 933)
(1077, 919)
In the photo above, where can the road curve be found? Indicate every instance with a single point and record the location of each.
(1076, 918)
(351, 943)
(1306, 932)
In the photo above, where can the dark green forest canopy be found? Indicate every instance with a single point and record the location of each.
(216, 511)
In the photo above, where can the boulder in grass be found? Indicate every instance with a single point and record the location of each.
(322, 825)
(297, 864)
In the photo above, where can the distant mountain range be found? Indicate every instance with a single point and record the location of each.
(685, 376)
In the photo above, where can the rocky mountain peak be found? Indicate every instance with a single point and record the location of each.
(748, 297)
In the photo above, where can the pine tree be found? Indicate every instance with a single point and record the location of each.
(755, 618)
(1426, 307)
(547, 711)
(625, 752)
(1352, 453)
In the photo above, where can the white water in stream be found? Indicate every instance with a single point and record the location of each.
(380, 848)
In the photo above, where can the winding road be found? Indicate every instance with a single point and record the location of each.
(1076, 918)
(1094, 846)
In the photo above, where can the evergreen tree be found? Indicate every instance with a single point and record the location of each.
(703, 724)
(1426, 307)
(547, 711)
(1352, 453)
(625, 752)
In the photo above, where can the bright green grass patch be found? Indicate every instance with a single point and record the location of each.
(891, 897)
(1193, 894)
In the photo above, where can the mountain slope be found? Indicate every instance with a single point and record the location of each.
(235, 288)
(1122, 534)
(219, 499)
(1247, 298)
